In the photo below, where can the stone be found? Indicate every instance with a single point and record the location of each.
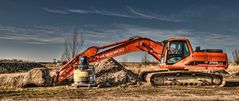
(37, 77)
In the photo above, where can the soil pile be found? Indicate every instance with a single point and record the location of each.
(111, 73)
(18, 67)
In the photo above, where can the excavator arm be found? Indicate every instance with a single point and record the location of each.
(97, 53)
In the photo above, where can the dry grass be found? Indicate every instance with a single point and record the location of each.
(233, 69)
(11, 80)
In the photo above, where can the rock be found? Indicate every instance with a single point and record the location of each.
(37, 77)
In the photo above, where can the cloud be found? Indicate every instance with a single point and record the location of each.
(55, 11)
(92, 11)
(148, 16)
(94, 35)
(216, 40)
(100, 35)
(100, 12)
(129, 13)
(117, 32)
(33, 34)
(79, 11)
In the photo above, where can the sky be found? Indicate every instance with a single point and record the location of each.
(35, 30)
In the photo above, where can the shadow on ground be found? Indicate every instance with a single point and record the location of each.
(232, 84)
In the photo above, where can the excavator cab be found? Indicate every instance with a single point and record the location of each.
(178, 54)
(177, 50)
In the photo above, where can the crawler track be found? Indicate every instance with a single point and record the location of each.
(184, 78)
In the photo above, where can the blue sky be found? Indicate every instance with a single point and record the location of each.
(35, 29)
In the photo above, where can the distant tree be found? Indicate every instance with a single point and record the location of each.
(72, 46)
(54, 60)
(11, 61)
(235, 55)
(145, 58)
(58, 61)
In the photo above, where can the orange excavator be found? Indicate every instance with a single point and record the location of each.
(180, 64)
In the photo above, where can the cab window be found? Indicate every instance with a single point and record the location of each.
(177, 50)
(186, 50)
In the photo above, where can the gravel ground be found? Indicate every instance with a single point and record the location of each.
(140, 93)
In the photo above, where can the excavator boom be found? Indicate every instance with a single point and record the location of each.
(112, 50)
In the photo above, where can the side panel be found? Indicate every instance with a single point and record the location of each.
(202, 61)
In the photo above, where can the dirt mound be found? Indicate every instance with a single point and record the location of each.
(18, 67)
(36, 77)
(111, 73)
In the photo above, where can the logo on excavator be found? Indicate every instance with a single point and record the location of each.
(112, 53)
